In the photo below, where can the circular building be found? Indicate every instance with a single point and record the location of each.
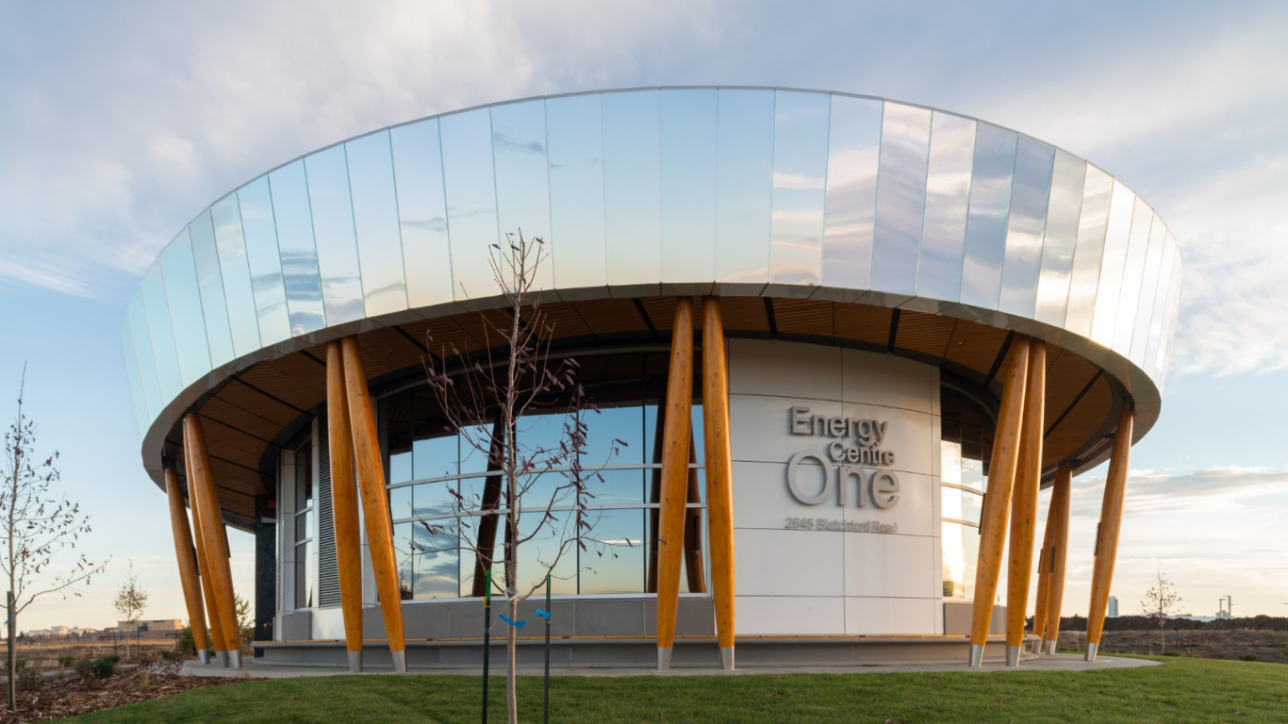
(817, 329)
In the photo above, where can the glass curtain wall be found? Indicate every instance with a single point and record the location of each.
(966, 447)
(438, 476)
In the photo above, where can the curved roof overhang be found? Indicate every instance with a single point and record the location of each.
(820, 217)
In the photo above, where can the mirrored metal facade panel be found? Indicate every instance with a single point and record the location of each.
(523, 178)
(133, 378)
(1133, 270)
(1158, 315)
(469, 179)
(332, 210)
(744, 185)
(1030, 196)
(943, 235)
(1112, 261)
(210, 283)
(753, 188)
(1067, 179)
(183, 300)
(422, 213)
(631, 194)
(800, 177)
(990, 201)
(160, 333)
(375, 223)
(299, 255)
(234, 270)
(140, 338)
(1093, 221)
(853, 154)
(687, 129)
(901, 198)
(255, 203)
(1139, 325)
(575, 135)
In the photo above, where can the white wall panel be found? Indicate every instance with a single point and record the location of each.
(800, 562)
(792, 369)
(878, 565)
(892, 615)
(760, 615)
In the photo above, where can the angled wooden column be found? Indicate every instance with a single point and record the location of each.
(1060, 503)
(675, 444)
(375, 500)
(491, 501)
(719, 463)
(1111, 518)
(212, 530)
(997, 496)
(1024, 503)
(694, 567)
(187, 557)
(218, 641)
(344, 505)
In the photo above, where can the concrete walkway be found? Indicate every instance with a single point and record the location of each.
(1059, 662)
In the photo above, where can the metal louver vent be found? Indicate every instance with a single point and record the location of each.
(328, 573)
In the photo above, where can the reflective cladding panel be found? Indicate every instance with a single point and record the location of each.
(631, 193)
(183, 299)
(575, 132)
(523, 178)
(234, 269)
(375, 221)
(137, 405)
(853, 153)
(328, 179)
(299, 254)
(744, 185)
(943, 235)
(255, 204)
(901, 198)
(161, 335)
(422, 213)
(140, 339)
(1030, 195)
(1093, 220)
(1148, 286)
(990, 200)
(1112, 261)
(688, 149)
(1067, 180)
(1143, 220)
(210, 282)
(1169, 321)
(471, 201)
(1159, 307)
(800, 171)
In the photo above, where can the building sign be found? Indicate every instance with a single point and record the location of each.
(854, 464)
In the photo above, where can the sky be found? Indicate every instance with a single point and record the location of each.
(119, 122)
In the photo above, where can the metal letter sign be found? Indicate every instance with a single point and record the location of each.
(853, 459)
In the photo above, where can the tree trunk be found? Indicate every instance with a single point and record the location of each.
(13, 659)
(511, 688)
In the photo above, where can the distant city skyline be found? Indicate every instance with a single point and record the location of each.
(120, 124)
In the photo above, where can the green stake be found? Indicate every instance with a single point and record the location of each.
(549, 613)
(487, 628)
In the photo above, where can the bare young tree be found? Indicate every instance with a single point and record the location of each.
(131, 601)
(39, 529)
(1160, 602)
(485, 399)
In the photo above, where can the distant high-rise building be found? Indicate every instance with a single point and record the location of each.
(1113, 607)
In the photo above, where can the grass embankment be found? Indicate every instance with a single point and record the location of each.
(1179, 690)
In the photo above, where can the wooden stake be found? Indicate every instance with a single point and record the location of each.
(344, 505)
(1111, 518)
(719, 464)
(1060, 504)
(1024, 501)
(212, 525)
(187, 557)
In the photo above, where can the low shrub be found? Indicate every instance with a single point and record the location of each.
(104, 666)
(1171, 653)
(1247, 657)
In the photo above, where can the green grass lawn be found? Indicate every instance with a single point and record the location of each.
(1179, 690)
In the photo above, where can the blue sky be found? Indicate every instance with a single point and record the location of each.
(120, 121)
